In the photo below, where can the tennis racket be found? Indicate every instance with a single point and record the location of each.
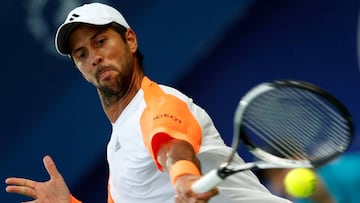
(285, 124)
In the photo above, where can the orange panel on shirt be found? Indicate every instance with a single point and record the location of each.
(74, 200)
(166, 117)
(110, 200)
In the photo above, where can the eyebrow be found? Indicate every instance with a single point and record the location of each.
(97, 33)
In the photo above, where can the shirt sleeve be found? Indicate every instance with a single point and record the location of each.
(74, 200)
(110, 199)
(166, 117)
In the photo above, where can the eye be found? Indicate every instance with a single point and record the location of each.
(81, 54)
(101, 41)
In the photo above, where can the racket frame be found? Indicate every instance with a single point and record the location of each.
(215, 176)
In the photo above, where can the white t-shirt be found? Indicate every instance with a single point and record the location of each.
(134, 177)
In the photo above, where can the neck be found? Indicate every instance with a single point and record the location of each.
(114, 106)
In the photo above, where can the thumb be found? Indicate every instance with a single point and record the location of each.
(51, 167)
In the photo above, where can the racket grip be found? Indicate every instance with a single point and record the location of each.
(207, 182)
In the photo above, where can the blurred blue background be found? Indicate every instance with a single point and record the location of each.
(213, 51)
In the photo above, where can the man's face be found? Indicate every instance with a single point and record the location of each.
(103, 57)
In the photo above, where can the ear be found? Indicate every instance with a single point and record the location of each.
(131, 40)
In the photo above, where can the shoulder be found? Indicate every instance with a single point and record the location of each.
(150, 87)
(175, 92)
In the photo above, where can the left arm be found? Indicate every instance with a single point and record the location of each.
(54, 190)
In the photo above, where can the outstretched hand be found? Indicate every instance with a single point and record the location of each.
(54, 190)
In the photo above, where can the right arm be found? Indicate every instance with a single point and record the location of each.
(173, 137)
(179, 159)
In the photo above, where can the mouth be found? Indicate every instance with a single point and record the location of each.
(104, 74)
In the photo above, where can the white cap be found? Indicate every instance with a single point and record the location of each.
(94, 14)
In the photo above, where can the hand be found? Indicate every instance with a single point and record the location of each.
(54, 190)
(184, 194)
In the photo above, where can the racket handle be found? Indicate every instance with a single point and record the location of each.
(207, 182)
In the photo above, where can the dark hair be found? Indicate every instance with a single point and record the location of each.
(122, 30)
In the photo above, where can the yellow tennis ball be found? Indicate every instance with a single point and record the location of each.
(300, 182)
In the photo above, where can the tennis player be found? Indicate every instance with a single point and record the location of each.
(161, 141)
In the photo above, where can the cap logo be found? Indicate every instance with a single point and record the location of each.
(75, 16)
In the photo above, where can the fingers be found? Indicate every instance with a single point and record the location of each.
(207, 195)
(51, 167)
(21, 190)
(184, 193)
(21, 182)
(179, 199)
(21, 186)
(190, 197)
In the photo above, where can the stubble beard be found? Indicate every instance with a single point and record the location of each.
(118, 88)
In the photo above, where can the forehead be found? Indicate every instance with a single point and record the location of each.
(84, 32)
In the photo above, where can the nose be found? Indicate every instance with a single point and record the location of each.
(97, 59)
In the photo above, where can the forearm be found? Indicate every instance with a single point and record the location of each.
(179, 158)
(175, 150)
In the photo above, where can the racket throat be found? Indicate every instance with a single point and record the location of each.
(225, 172)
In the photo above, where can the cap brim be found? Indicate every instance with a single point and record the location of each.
(62, 37)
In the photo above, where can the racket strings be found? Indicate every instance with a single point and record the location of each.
(297, 124)
(318, 111)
